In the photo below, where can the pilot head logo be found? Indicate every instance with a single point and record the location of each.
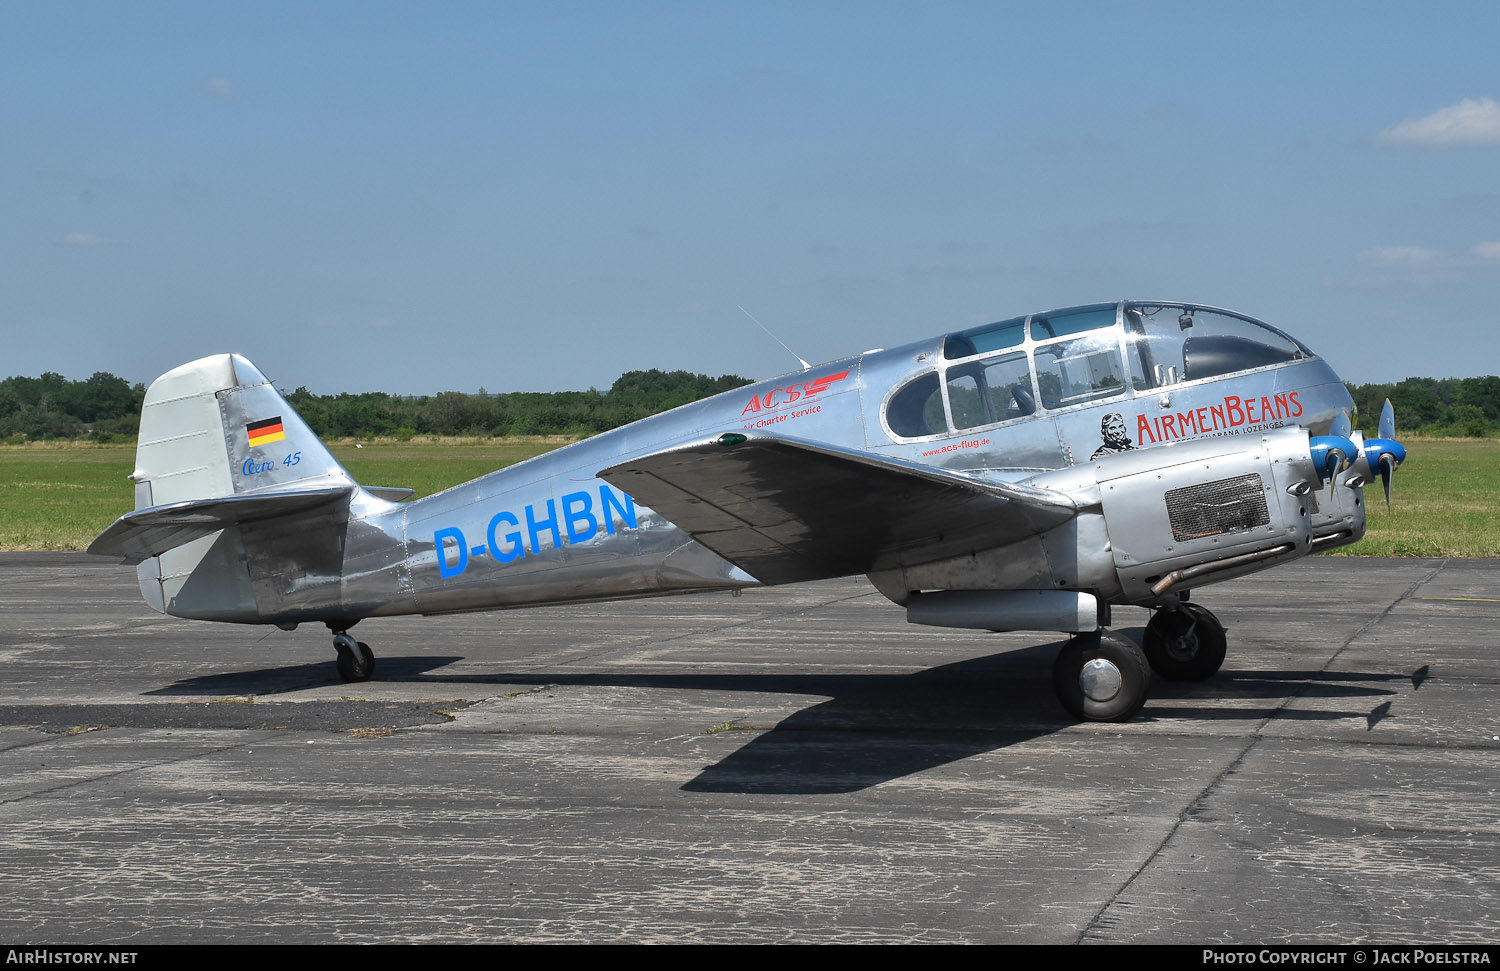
(1112, 430)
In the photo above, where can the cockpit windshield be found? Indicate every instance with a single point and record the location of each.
(1173, 343)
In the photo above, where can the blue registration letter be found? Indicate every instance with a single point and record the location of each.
(580, 516)
(517, 548)
(627, 510)
(534, 527)
(442, 553)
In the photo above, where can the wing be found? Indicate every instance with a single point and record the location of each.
(786, 510)
(139, 535)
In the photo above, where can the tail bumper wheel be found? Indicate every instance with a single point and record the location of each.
(356, 662)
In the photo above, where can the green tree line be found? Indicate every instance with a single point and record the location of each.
(107, 408)
(1439, 407)
(104, 407)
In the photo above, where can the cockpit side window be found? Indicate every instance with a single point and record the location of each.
(917, 409)
(1080, 370)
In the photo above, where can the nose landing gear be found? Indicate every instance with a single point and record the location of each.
(1185, 642)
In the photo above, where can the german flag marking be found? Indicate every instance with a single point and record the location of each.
(265, 432)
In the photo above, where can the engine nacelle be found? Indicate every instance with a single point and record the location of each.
(1221, 508)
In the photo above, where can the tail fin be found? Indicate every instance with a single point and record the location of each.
(219, 447)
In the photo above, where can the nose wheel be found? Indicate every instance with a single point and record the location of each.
(1101, 676)
(356, 662)
(1185, 642)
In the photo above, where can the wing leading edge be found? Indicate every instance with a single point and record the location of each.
(786, 510)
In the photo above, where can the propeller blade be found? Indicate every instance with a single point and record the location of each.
(1388, 420)
(1342, 426)
(1338, 461)
(1387, 471)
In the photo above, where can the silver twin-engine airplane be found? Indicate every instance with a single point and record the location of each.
(1021, 476)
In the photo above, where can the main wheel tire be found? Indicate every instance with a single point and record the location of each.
(1185, 643)
(357, 665)
(1101, 676)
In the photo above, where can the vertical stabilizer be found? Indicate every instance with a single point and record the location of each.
(212, 428)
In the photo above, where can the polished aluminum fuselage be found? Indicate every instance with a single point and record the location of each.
(550, 530)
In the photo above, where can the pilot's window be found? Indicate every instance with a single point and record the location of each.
(917, 409)
(1175, 343)
(1086, 369)
(990, 337)
(1073, 322)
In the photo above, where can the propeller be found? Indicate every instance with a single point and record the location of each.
(1385, 453)
(1343, 448)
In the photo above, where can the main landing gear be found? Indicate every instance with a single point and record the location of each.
(1101, 676)
(356, 662)
(1105, 676)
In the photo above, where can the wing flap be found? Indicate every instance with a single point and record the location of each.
(144, 533)
(786, 510)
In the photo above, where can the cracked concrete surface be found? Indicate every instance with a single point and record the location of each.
(796, 764)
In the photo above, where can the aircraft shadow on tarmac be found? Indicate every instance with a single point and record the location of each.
(874, 728)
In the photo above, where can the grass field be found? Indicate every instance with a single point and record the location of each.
(58, 497)
(1443, 503)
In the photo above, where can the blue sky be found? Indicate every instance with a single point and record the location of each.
(538, 196)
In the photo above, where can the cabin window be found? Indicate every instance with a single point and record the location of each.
(992, 391)
(1009, 381)
(966, 399)
(917, 409)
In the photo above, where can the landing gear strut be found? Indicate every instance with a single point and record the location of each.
(356, 662)
(1185, 642)
(1101, 676)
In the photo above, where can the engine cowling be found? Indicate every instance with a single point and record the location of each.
(1208, 510)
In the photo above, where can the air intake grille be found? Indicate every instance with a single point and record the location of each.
(1225, 506)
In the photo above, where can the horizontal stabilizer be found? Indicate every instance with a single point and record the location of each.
(140, 535)
(786, 510)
